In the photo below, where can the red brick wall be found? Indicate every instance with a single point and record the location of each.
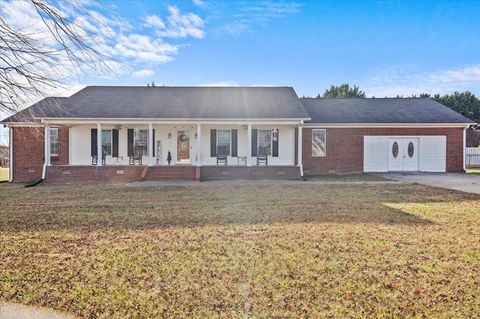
(345, 148)
(92, 174)
(29, 151)
(253, 172)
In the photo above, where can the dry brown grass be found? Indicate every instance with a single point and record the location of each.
(242, 251)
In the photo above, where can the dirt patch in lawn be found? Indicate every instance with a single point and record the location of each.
(242, 251)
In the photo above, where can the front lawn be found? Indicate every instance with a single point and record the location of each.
(242, 251)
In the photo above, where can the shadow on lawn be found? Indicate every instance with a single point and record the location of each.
(107, 207)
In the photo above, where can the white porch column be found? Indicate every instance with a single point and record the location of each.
(150, 144)
(99, 144)
(249, 151)
(300, 149)
(199, 142)
(47, 145)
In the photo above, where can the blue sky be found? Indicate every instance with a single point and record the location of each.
(387, 48)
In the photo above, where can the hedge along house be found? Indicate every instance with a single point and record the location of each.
(119, 134)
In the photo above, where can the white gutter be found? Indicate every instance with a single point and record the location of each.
(464, 148)
(46, 136)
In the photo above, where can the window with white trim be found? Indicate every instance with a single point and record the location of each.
(223, 142)
(53, 141)
(140, 142)
(264, 142)
(107, 141)
(319, 143)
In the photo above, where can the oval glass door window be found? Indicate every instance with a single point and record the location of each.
(395, 150)
(411, 149)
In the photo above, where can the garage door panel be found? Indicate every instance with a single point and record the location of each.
(375, 154)
(433, 156)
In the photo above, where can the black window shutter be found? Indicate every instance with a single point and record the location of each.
(254, 143)
(153, 141)
(93, 142)
(275, 145)
(213, 143)
(130, 142)
(115, 143)
(234, 142)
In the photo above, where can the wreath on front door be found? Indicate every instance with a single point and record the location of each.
(183, 137)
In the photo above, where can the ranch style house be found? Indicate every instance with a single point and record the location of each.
(124, 134)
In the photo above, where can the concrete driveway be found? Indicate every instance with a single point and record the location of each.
(469, 183)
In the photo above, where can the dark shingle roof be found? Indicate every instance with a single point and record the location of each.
(177, 102)
(49, 105)
(383, 110)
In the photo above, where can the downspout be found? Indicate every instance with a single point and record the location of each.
(464, 148)
(300, 148)
(10, 155)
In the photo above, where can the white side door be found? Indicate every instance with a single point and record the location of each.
(410, 154)
(395, 155)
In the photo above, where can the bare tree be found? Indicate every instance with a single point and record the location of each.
(64, 41)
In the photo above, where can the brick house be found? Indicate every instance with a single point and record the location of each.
(119, 134)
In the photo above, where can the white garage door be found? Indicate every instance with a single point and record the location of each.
(404, 153)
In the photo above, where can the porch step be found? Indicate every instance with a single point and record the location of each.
(170, 173)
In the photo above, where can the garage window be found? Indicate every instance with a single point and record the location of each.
(319, 143)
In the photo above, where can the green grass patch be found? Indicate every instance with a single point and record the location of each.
(249, 251)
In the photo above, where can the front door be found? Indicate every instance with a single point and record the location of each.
(183, 146)
(403, 154)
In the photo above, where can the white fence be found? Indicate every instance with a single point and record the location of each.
(472, 157)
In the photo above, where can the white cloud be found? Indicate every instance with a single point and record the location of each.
(144, 48)
(144, 73)
(126, 49)
(199, 3)
(154, 21)
(408, 80)
(260, 13)
(179, 25)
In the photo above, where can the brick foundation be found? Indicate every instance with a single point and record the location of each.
(345, 148)
(253, 172)
(93, 174)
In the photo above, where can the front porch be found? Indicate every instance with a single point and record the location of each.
(182, 144)
(162, 151)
